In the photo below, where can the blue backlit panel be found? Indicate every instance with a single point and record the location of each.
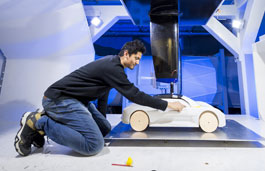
(199, 78)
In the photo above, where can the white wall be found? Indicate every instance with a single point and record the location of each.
(43, 41)
(259, 70)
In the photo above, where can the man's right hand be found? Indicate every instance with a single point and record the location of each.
(176, 106)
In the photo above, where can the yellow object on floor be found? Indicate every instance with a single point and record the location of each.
(129, 161)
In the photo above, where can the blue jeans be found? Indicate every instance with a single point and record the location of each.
(70, 123)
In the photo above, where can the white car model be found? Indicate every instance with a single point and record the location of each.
(195, 114)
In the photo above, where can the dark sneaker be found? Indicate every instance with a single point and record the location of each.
(27, 133)
(38, 141)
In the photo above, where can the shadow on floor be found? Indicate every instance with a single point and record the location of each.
(52, 148)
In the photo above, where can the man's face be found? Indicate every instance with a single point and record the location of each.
(133, 60)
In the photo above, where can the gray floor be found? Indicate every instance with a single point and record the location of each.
(146, 155)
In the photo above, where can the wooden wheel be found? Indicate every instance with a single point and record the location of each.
(139, 121)
(208, 122)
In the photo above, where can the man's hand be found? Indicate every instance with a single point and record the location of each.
(176, 106)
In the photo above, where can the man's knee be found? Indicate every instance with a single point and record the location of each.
(94, 146)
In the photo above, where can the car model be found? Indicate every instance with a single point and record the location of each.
(195, 114)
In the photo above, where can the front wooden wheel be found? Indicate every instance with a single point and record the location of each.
(139, 121)
(208, 122)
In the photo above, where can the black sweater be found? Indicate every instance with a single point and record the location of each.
(94, 80)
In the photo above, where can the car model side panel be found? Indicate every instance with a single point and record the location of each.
(188, 117)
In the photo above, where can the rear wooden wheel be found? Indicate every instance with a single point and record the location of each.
(208, 122)
(139, 121)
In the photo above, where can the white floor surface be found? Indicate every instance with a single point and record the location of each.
(146, 155)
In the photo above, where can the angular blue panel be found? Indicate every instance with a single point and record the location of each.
(261, 28)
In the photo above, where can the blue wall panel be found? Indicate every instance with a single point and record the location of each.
(199, 79)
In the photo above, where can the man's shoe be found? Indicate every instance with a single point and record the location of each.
(38, 141)
(27, 133)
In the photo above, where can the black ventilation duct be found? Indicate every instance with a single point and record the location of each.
(164, 39)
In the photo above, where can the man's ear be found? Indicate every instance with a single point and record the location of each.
(126, 53)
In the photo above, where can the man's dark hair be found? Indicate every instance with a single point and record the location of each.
(133, 47)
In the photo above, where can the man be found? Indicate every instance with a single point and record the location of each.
(70, 119)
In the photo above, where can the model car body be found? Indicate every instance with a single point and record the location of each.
(195, 114)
